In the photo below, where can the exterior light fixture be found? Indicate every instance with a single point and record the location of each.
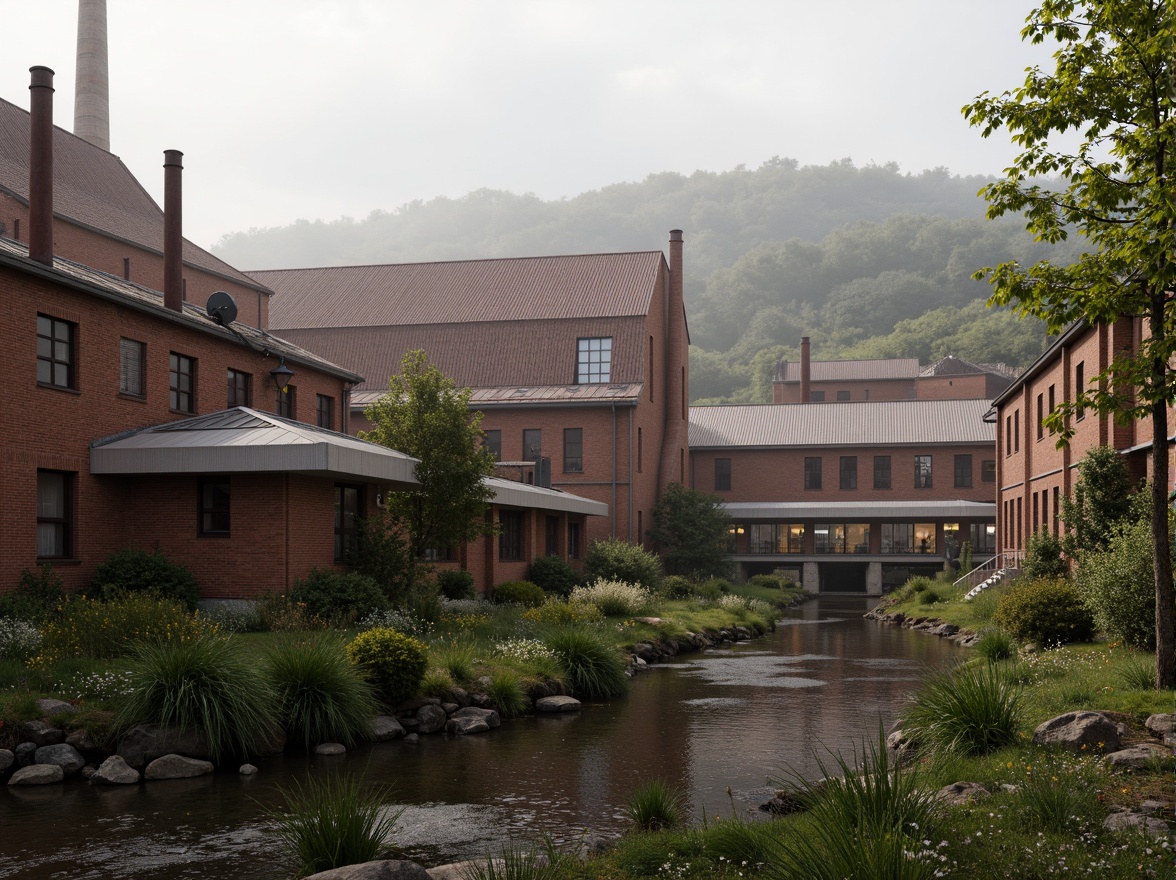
(282, 375)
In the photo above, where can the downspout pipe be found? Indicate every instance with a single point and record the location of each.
(613, 509)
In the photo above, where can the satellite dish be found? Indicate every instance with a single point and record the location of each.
(222, 308)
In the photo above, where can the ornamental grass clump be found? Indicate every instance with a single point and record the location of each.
(204, 684)
(322, 696)
(972, 710)
(333, 823)
(995, 645)
(593, 667)
(655, 805)
(394, 663)
(613, 598)
(556, 612)
(507, 694)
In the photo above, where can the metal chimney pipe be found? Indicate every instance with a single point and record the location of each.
(173, 236)
(41, 165)
(805, 371)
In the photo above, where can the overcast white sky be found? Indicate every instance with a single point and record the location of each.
(317, 109)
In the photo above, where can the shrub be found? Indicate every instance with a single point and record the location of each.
(995, 644)
(771, 581)
(204, 684)
(19, 639)
(322, 696)
(523, 650)
(393, 662)
(236, 617)
(1118, 585)
(613, 598)
(397, 619)
(280, 613)
(655, 805)
(1043, 557)
(36, 596)
(716, 586)
(554, 575)
(617, 560)
(138, 571)
(455, 584)
(103, 630)
(918, 585)
(928, 597)
(675, 586)
(1044, 611)
(506, 693)
(519, 593)
(457, 659)
(338, 597)
(555, 612)
(967, 711)
(333, 823)
(594, 668)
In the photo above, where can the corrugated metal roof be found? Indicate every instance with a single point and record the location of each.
(516, 289)
(954, 366)
(515, 395)
(837, 371)
(517, 354)
(94, 188)
(514, 494)
(243, 440)
(87, 280)
(871, 423)
(820, 511)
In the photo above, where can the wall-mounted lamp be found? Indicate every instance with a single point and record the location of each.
(735, 530)
(282, 375)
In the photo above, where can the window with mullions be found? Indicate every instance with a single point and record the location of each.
(573, 450)
(849, 472)
(922, 472)
(594, 360)
(287, 402)
(214, 506)
(348, 509)
(492, 443)
(881, 471)
(182, 383)
(722, 475)
(812, 473)
(963, 472)
(54, 514)
(56, 354)
(239, 388)
(325, 411)
(131, 361)
(510, 538)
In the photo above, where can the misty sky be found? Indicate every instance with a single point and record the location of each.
(317, 109)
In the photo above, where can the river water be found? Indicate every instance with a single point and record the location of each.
(730, 718)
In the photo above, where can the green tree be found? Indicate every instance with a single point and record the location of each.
(1111, 91)
(424, 415)
(1102, 498)
(691, 528)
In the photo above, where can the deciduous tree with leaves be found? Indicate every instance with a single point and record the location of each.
(1110, 94)
(691, 529)
(424, 415)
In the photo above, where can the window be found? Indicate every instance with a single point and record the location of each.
(551, 536)
(239, 388)
(438, 554)
(841, 538)
(1057, 509)
(324, 408)
(573, 450)
(532, 444)
(849, 472)
(1040, 416)
(54, 514)
(639, 449)
(1080, 386)
(286, 405)
(213, 496)
(812, 473)
(594, 360)
(131, 362)
(983, 537)
(1052, 403)
(722, 475)
(182, 382)
(922, 472)
(348, 509)
(493, 444)
(1008, 435)
(573, 540)
(898, 537)
(843, 395)
(988, 471)
(963, 472)
(1016, 430)
(817, 396)
(56, 356)
(510, 539)
(881, 471)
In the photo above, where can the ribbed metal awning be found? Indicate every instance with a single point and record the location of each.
(513, 494)
(787, 511)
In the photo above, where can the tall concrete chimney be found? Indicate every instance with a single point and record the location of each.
(805, 371)
(92, 83)
(41, 165)
(675, 439)
(173, 231)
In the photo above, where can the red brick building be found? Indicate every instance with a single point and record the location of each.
(851, 498)
(578, 363)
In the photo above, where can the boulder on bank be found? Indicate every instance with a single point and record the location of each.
(50, 706)
(558, 704)
(1140, 757)
(144, 743)
(7, 759)
(385, 727)
(37, 774)
(1079, 731)
(177, 767)
(114, 771)
(63, 755)
(1127, 820)
(330, 749)
(41, 733)
(465, 726)
(431, 719)
(1162, 726)
(490, 716)
(962, 793)
(387, 869)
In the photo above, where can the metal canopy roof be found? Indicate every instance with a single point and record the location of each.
(243, 440)
(513, 494)
(849, 511)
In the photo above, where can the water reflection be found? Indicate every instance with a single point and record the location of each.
(729, 717)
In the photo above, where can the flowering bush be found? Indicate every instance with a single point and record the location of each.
(524, 650)
(555, 612)
(398, 619)
(755, 606)
(613, 598)
(279, 613)
(19, 639)
(395, 663)
(519, 593)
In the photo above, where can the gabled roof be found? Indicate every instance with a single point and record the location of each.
(872, 423)
(502, 290)
(244, 440)
(954, 366)
(91, 282)
(840, 371)
(93, 188)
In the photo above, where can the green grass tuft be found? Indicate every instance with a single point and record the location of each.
(594, 667)
(506, 692)
(969, 710)
(655, 806)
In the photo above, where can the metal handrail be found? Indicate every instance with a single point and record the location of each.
(983, 566)
(1005, 560)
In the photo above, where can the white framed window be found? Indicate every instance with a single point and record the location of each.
(594, 360)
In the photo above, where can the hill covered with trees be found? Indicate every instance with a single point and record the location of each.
(868, 262)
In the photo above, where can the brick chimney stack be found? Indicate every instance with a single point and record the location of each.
(805, 371)
(173, 235)
(41, 165)
(675, 439)
(92, 81)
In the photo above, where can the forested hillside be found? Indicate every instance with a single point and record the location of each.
(868, 262)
